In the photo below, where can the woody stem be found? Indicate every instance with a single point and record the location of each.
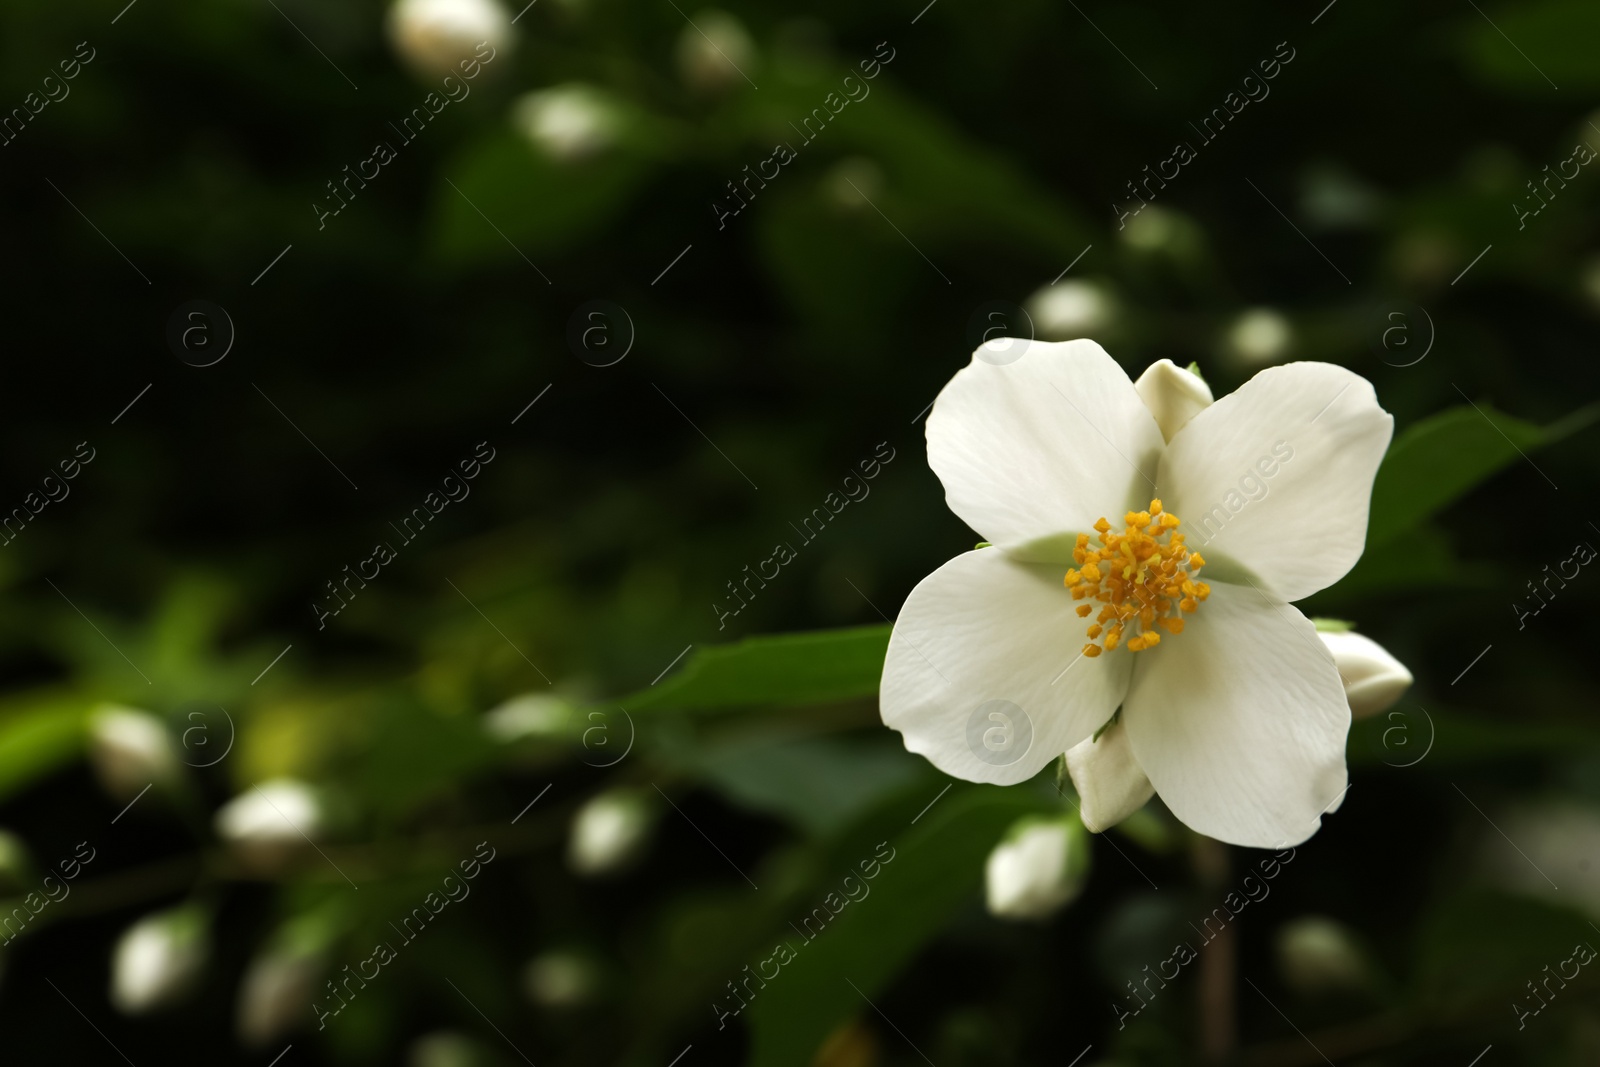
(1218, 962)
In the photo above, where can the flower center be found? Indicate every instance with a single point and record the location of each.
(1143, 577)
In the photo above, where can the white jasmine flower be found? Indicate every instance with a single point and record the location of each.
(157, 960)
(609, 832)
(1259, 336)
(1039, 867)
(715, 51)
(1071, 309)
(434, 36)
(129, 750)
(1232, 706)
(568, 122)
(1373, 679)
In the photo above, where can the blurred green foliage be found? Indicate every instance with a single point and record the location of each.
(782, 346)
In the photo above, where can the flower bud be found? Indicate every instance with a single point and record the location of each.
(158, 959)
(130, 750)
(269, 823)
(609, 832)
(1110, 783)
(1072, 309)
(569, 122)
(561, 980)
(1318, 956)
(1373, 679)
(277, 986)
(446, 1049)
(1039, 867)
(1258, 337)
(434, 36)
(533, 715)
(715, 52)
(1173, 395)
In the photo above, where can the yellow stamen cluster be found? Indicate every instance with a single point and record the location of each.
(1144, 578)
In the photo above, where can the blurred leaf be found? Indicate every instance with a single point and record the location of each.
(937, 867)
(38, 733)
(506, 190)
(1478, 946)
(1557, 35)
(808, 668)
(1439, 459)
(818, 783)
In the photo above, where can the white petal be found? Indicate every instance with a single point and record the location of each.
(984, 674)
(1111, 785)
(1044, 444)
(1173, 395)
(1240, 721)
(1277, 476)
(1373, 679)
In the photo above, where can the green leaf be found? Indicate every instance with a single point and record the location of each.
(539, 205)
(1483, 947)
(808, 668)
(937, 868)
(1438, 460)
(1559, 32)
(818, 783)
(38, 733)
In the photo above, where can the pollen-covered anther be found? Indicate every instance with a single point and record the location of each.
(1144, 578)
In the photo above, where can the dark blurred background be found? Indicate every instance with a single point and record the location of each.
(1368, 205)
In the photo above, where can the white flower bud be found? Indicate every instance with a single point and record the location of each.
(1173, 395)
(277, 986)
(561, 980)
(568, 122)
(129, 750)
(531, 715)
(1373, 679)
(715, 52)
(1111, 786)
(434, 36)
(1071, 309)
(609, 832)
(157, 960)
(1317, 956)
(271, 822)
(446, 1049)
(1039, 867)
(1258, 337)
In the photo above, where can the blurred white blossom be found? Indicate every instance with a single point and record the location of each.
(531, 715)
(715, 52)
(1071, 309)
(273, 995)
(568, 122)
(609, 831)
(434, 36)
(1318, 956)
(158, 959)
(1258, 337)
(129, 750)
(561, 979)
(1039, 867)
